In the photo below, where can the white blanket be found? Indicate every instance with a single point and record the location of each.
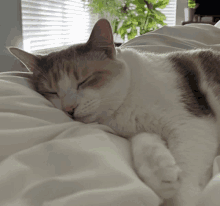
(47, 159)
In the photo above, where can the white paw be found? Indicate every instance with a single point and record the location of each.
(157, 168)
(168, 180)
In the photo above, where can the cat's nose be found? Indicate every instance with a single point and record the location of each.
(70, 110)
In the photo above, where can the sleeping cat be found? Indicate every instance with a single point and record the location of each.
(167, 105)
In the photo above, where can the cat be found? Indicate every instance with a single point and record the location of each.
(167, 105)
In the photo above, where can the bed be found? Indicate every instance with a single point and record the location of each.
(47, 159)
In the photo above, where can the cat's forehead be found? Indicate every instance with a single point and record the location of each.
(77, 61)
(66, 82)
(78, 54)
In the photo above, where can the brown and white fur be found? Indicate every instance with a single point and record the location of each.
(167, 105)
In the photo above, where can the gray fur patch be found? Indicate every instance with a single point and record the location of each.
(194, 99)
(210, 61)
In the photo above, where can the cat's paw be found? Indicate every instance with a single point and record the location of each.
(157, 168)
(167, 179)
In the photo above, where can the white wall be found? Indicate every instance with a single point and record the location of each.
(10, 33)
(181, 4)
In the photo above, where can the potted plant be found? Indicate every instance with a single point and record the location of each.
(189, 12)
(129, 16)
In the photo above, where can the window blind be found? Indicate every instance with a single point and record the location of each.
(170, 12)
(54, 23)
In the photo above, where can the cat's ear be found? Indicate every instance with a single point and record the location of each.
(102, 37)
(29, 60)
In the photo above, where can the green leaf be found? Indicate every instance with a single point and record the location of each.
(132, 33)
(122, 33)
(159, 15)
(161, 4)
(115, 25)
(151, 1)
(139, 3)
(191, 3)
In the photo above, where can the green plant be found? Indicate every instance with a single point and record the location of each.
(127, 15)
(191, 4)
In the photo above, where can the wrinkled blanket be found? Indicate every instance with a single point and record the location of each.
(47, 159)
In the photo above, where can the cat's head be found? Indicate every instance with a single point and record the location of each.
(87, 81)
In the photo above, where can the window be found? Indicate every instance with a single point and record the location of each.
(54, 23)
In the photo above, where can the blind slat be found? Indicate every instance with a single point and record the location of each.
(54, 12)
(59, 27)
(58, 3)
(55, 9)
(48, 33)
(61, 22)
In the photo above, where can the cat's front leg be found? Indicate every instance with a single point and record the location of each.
(194, 148)
(155, 165)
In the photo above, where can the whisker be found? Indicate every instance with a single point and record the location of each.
(105, 101)
(115, 96)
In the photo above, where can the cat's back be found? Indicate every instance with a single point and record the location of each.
(169, 86)
(178, 77)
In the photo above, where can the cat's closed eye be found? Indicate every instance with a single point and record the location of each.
(88, 82)
(49, 93)
(92, 80)
(83, 82)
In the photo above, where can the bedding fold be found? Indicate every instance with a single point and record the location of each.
(47, 159)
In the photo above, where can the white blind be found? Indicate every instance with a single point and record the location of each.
(53, 23)
(170, 12)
